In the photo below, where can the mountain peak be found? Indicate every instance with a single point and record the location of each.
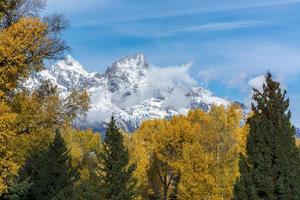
(68, 64)
(134, 62)
(128, 72)
(69, 60)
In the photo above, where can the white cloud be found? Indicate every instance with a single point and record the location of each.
(176, 100)
(171, 76)
(206, 76)
(175, 9)
(172, 81)
(242, 60)
(96, 113)
(169, 81)
(257, 82)
(237, 81)
(215, 26)
(154, 31)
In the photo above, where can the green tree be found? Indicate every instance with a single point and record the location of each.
(17, 191)
(50, 172)
(116, 174)
(269, 168)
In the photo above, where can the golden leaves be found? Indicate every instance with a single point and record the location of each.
(22, 49)
(197, 154)
(8, 168)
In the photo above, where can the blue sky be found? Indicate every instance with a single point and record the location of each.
(230, 42)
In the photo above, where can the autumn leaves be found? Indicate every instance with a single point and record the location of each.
(191, 157)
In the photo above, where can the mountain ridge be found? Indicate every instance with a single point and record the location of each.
(131, 89)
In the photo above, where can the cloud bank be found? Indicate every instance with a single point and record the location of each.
(164, 82)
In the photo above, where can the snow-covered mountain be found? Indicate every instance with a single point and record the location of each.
(131, 89)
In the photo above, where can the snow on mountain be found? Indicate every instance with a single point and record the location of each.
(127, 74)
(130, 89)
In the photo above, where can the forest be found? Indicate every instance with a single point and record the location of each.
(221, 154)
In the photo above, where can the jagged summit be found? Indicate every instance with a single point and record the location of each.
(127, 73)
(68, 64)
(135, 62)
(128, 89)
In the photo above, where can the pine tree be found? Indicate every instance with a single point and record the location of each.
(50, 173)
(116, 174)
(269, 169)
(17, 191)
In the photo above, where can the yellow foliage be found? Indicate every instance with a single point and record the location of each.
(36, 121)
(8, 168)
(192, 157)
(158, 152)
(23, 47)
(84, 146)
(38, 116)
(210, 163)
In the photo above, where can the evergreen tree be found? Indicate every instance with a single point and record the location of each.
(17, 191)
(49, 172)
(116, 174)
(269, 169)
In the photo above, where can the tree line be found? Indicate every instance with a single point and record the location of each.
(216, 155)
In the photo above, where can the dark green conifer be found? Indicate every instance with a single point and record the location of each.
(116, 174)
(49, 172)
(270, 168)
